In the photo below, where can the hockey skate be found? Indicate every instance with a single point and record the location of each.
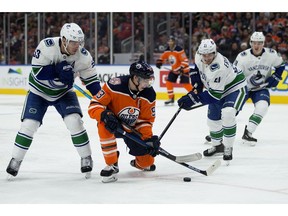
(247, 138)
(170, 101)
(150, 168)
(228, 155)
(13, 167)
(214, 151)
(87, 166)
(109, 173)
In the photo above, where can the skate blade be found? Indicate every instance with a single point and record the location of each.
(109, 179)
(215, 155)
(169, 103)
(227, 163)
(88, 175)
(218, 154)
(10, 177)
(251, 143)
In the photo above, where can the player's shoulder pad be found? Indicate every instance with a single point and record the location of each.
(119, 83)
(114, 81)
(84, 52)
(243, 53)
(49, 42)
(149, 94)
(178, 48)
(270, 50)
(84, 57)
(279, 54)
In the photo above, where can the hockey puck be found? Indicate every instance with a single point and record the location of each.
(186, 179)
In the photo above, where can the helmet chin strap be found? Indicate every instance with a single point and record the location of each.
(137, 86)
(65, 46)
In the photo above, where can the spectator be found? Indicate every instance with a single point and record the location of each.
(270, 41)
(233, 52)
(104, 58)
(243, 46)
(224, 43)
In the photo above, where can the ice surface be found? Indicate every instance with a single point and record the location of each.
(50, 172)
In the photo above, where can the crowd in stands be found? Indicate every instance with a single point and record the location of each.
(231, 31)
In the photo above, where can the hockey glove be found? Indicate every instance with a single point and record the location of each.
(196, 80)
(155, 144)
(159, 63)
(273, 80)
(187, 101)
(65, 73)
(110, 121)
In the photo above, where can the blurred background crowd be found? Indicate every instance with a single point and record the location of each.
(120, 38)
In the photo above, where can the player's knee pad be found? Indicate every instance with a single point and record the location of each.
(74, 123)
(229, 116)
(29, 127)
(214, 125)
(261, 108)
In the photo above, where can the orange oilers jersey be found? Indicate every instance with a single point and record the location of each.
(136, 110)
(176, 58)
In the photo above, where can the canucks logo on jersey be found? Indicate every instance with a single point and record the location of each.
(214, 67)
(257, 79)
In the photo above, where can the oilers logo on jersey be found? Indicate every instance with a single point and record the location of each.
(129, 115)
(172, 59)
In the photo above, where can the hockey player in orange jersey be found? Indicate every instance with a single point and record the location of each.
(178, 60)
(126, 100)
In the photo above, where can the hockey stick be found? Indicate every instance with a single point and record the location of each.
(183, 158)
(82, 91)
(174, 117)
(164, 153)
(170, 122)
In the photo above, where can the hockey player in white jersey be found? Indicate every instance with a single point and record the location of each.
(225, 93)
(55, 64)
(257, 63)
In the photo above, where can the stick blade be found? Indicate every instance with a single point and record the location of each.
(188, 158)
(213, 167)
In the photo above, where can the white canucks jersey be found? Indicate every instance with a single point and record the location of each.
(48, 53)
(220, 78)
(258, 68)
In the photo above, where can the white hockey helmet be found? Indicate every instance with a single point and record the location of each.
(257, 36)
(207, 46)
(72, 32)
